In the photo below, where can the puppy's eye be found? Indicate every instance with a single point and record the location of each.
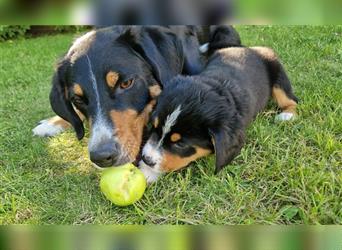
(127, 84)
(180, 145)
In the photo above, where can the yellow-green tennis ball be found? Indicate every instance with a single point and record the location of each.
(123, 185)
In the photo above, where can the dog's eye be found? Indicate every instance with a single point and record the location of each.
(77, 100)
(180, 145)
(127, 84)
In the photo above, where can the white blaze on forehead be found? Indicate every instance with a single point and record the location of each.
(154, 151)
(94, 84)
(171, 120)
(101, 131)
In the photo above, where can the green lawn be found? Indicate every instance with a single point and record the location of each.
(287, 173)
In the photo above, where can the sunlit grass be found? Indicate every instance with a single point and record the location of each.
(74, 153)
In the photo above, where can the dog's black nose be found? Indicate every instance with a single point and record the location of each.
(103, 156)
(148, 161)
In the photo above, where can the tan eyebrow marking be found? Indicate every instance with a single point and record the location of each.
(112, 78)
(175, 137)
(155, 91)
(77, 89)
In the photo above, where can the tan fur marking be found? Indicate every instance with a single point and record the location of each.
(266, 53)
(81, 116)
(172, 162)
(284, 102)
(77, 89)
(155, 91)
(56, 120)
(112, 78)
(129, 128)
(156, 122)
(175, 137)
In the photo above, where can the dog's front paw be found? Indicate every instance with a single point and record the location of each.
(285, 116)
(46, 129)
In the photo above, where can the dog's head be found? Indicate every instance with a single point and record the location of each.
(191, 119)
(113, 76)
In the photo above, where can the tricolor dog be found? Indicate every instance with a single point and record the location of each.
(199, 115)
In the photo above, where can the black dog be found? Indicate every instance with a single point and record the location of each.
(198, 115)
(112, 77)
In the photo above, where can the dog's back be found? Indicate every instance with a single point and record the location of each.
(245, 74)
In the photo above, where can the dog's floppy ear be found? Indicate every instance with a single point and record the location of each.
(227, 145)
(60, 102)
(158, 46)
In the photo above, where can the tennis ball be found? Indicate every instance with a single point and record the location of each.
(123, 185)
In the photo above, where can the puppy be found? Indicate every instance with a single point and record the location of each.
(199, 115)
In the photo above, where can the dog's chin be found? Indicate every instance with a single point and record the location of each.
(150, 174)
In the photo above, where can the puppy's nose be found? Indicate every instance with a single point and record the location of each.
(148, 160)
(103, 155)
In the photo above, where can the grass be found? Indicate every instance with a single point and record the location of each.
(287, 173)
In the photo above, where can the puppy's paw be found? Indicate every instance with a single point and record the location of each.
(150, 175)
(46, 129)
(285, 116)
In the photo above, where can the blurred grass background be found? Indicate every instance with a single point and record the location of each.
(287, 173)
(289, 12)
(90, 12)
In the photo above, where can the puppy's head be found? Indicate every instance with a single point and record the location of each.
(189, 122)
(113, 76)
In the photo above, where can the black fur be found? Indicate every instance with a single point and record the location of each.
(223, 36)
(61, 103)
(219, 104)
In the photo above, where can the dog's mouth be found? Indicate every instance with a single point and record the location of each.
(111, 162)
(138, 158)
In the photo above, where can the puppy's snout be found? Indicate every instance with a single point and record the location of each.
(104, 155)
(148, 160)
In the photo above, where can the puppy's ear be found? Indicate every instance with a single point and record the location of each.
(159, 47)
(60, 102)
(227, 144)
